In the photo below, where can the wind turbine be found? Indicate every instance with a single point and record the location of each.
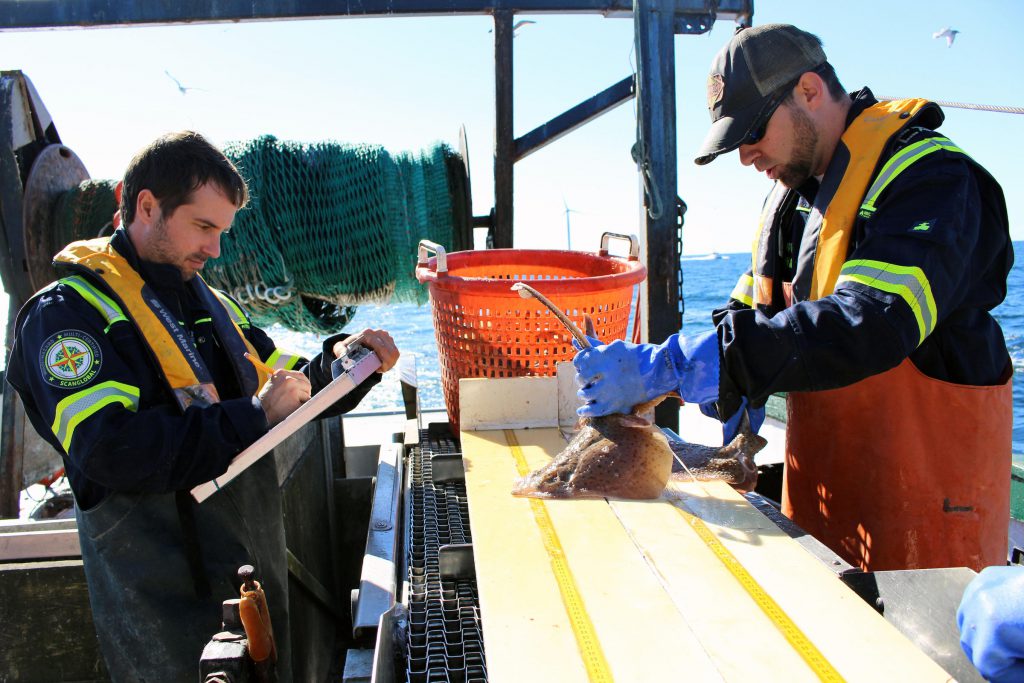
(568, 227)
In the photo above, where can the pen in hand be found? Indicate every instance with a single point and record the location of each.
(260, 365)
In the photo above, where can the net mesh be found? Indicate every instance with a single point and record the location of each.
(328, 226)
(84, 212)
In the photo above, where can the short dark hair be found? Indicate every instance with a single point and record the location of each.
(828, 74)
(172, 167)
(835, 88)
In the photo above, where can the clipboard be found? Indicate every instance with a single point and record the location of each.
(349, 371)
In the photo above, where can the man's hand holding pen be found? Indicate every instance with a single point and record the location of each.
(285, 391)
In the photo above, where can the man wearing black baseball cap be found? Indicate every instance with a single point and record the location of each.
(755, 72)
(880, 252)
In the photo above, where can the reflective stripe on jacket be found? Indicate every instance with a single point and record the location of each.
(898, 470)
(867, 137)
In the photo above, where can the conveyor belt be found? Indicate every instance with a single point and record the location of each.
(445, 636)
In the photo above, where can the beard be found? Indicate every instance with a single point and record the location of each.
(805, 141)
(163, 251)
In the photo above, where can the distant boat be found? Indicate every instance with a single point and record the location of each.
(705, 257)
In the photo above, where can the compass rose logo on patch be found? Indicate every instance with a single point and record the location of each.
(69, 359)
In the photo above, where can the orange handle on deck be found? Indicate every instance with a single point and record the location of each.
(252, 609)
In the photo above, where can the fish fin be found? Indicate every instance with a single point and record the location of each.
(588, 326)
(744, 423)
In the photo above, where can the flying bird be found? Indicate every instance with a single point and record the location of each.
(948, 33)
(516, 26)
(183, 89)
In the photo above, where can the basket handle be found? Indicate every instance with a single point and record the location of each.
(442, 258)
(634, 244)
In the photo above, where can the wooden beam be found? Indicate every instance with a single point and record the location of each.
(21, 546)
(46, 625)
(12, 433)
(520, 402)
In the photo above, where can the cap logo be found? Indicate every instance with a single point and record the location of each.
(716, 88)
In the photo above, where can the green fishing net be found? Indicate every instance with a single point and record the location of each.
(328, 226)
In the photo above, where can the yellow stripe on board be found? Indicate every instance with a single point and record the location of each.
(586, 637)
(821, 667)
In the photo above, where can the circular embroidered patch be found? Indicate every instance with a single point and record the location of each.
(69, 359)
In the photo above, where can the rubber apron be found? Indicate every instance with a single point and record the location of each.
(898, 471)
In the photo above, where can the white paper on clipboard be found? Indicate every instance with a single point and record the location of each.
(321, 401)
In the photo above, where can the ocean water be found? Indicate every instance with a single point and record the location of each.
(707, 282)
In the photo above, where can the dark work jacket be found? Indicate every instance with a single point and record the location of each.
(860, 331)
(180, 450)
(157, 565)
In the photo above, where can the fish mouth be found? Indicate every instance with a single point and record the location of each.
(631, 420)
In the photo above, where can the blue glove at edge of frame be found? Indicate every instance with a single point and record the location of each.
(615, 377)
(991, 623)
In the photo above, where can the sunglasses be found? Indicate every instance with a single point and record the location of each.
(760, 125)
(757, 131)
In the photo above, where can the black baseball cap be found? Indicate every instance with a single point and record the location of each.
(750, 77)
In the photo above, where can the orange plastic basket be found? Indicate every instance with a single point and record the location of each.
(484, 329)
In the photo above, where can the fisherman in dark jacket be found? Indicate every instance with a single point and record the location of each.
(880, 253)
(133, 369)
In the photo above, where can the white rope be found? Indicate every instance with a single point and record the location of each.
(965, 105)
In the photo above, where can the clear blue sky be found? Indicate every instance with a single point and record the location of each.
(406, 83)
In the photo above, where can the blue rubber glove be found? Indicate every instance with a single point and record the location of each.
(991, 622)
(594, 341)
(731, 427)
(615, 377)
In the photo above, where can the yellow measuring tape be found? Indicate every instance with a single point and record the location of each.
(803, 646)
(583, 628)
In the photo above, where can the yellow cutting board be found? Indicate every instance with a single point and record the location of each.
(598, 590)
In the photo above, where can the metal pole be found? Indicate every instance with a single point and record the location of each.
(568, 231)
(12, 442)
(504, 142)
(656, 159)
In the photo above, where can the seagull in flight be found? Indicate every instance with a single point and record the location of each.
(948, 33)
(516, 26)
(183, 89)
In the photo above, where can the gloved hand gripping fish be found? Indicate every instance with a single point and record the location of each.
(626, 456)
